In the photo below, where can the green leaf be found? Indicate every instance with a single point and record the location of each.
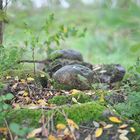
(9, 96)
(15, 128)
(5, 106)
(19, 130)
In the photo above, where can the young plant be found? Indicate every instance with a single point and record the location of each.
(52, 36)
(133, 77)
(3, 98)
(8, 59)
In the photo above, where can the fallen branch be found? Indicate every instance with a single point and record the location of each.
(46, 61)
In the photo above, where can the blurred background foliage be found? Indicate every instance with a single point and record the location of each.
(113, 27)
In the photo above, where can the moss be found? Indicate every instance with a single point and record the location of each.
(61, 100)
(82, 97)
(82, 113)
(55, 55)
(30, 117)
(78, 113)
(57, 85)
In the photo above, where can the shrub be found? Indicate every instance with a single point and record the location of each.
(131, 107)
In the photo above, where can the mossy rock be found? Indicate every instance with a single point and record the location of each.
(63, 99)
(79, 113)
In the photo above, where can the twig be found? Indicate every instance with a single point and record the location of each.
(11, 137)
(46, 61)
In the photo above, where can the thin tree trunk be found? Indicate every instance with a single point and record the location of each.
(1, 24)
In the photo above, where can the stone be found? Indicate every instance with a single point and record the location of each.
(74, 77)
(108, 73)
(66, 54)
(59, 63)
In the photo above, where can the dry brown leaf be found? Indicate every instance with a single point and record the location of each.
(124, 132)
(66, 132)
(51, 137)
(27, 100)
(98, 132)
(102, 123)
(115, 119)
(21, 92)
(72, 123)
(108, 126)
(15, 86)
(123, 137)
(123, 126)
(3, 129)
(33, 133)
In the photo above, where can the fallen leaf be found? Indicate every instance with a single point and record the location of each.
(27, 100)
(123, 137)
(25, 94)
(102, 123)
(74, 91)
(60, 126)
(132, 129)
(75, 101)
(123, 126)
(14, 86)
(72, 123)
(115, 119)
(34, 132)
(96, 124)
(98, 132)
(66, 132)
(89, 137)
(108, 126)
(51, 137)
(8, 77)
(23, 81)
(124, 132)
(21, 92)
(41, 102)
(3, 129)
(16, 78)
(30, 79)
(42, 75)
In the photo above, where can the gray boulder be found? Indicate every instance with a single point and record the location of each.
(59, 63)
(66, 54)
(73, 77)
(108, 73)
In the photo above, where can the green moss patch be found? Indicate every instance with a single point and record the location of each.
(79, 113)
(63, 99)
